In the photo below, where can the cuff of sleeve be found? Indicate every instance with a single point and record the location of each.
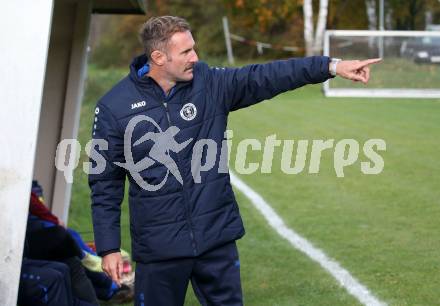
(103, 253)
(327, 61)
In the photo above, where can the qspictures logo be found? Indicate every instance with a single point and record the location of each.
(207, 153)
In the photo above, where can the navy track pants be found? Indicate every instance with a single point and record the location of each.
(46, 283)
(214, 275)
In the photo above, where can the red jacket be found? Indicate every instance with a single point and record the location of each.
(38, 209)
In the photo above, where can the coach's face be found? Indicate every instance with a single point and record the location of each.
(181, 56)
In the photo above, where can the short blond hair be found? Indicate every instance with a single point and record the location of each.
(156, 32)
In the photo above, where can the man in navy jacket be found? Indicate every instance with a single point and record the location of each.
(162, 124)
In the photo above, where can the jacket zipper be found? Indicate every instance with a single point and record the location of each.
(188, 214)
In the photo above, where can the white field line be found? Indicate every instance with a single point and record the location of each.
(344, 278)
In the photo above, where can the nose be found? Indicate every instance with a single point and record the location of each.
(194, 58)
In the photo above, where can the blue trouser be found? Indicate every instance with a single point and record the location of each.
(214, 275)
(46, 283)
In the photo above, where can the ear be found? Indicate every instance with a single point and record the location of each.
(158, 57)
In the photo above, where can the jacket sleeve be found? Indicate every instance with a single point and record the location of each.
(107, 186)
(242, 87)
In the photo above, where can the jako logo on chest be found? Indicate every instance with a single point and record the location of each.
(138, 104)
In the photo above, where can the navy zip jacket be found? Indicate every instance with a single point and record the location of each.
(184, 217)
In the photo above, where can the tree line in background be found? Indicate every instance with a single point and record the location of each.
(299, 23)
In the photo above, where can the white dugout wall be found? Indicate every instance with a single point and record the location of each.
(43, 62)
(25, 31)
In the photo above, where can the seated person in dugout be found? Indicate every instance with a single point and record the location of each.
(49, 244)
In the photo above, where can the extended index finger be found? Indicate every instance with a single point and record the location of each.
(368, 62)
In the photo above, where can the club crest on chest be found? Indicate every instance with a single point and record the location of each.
(188, 111)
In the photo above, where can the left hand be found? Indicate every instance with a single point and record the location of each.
(357, 71)
(112, 265)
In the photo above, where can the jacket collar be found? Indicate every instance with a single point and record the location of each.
(138, 69)
(137, 64)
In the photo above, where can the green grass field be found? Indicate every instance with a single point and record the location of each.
(382, 228)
